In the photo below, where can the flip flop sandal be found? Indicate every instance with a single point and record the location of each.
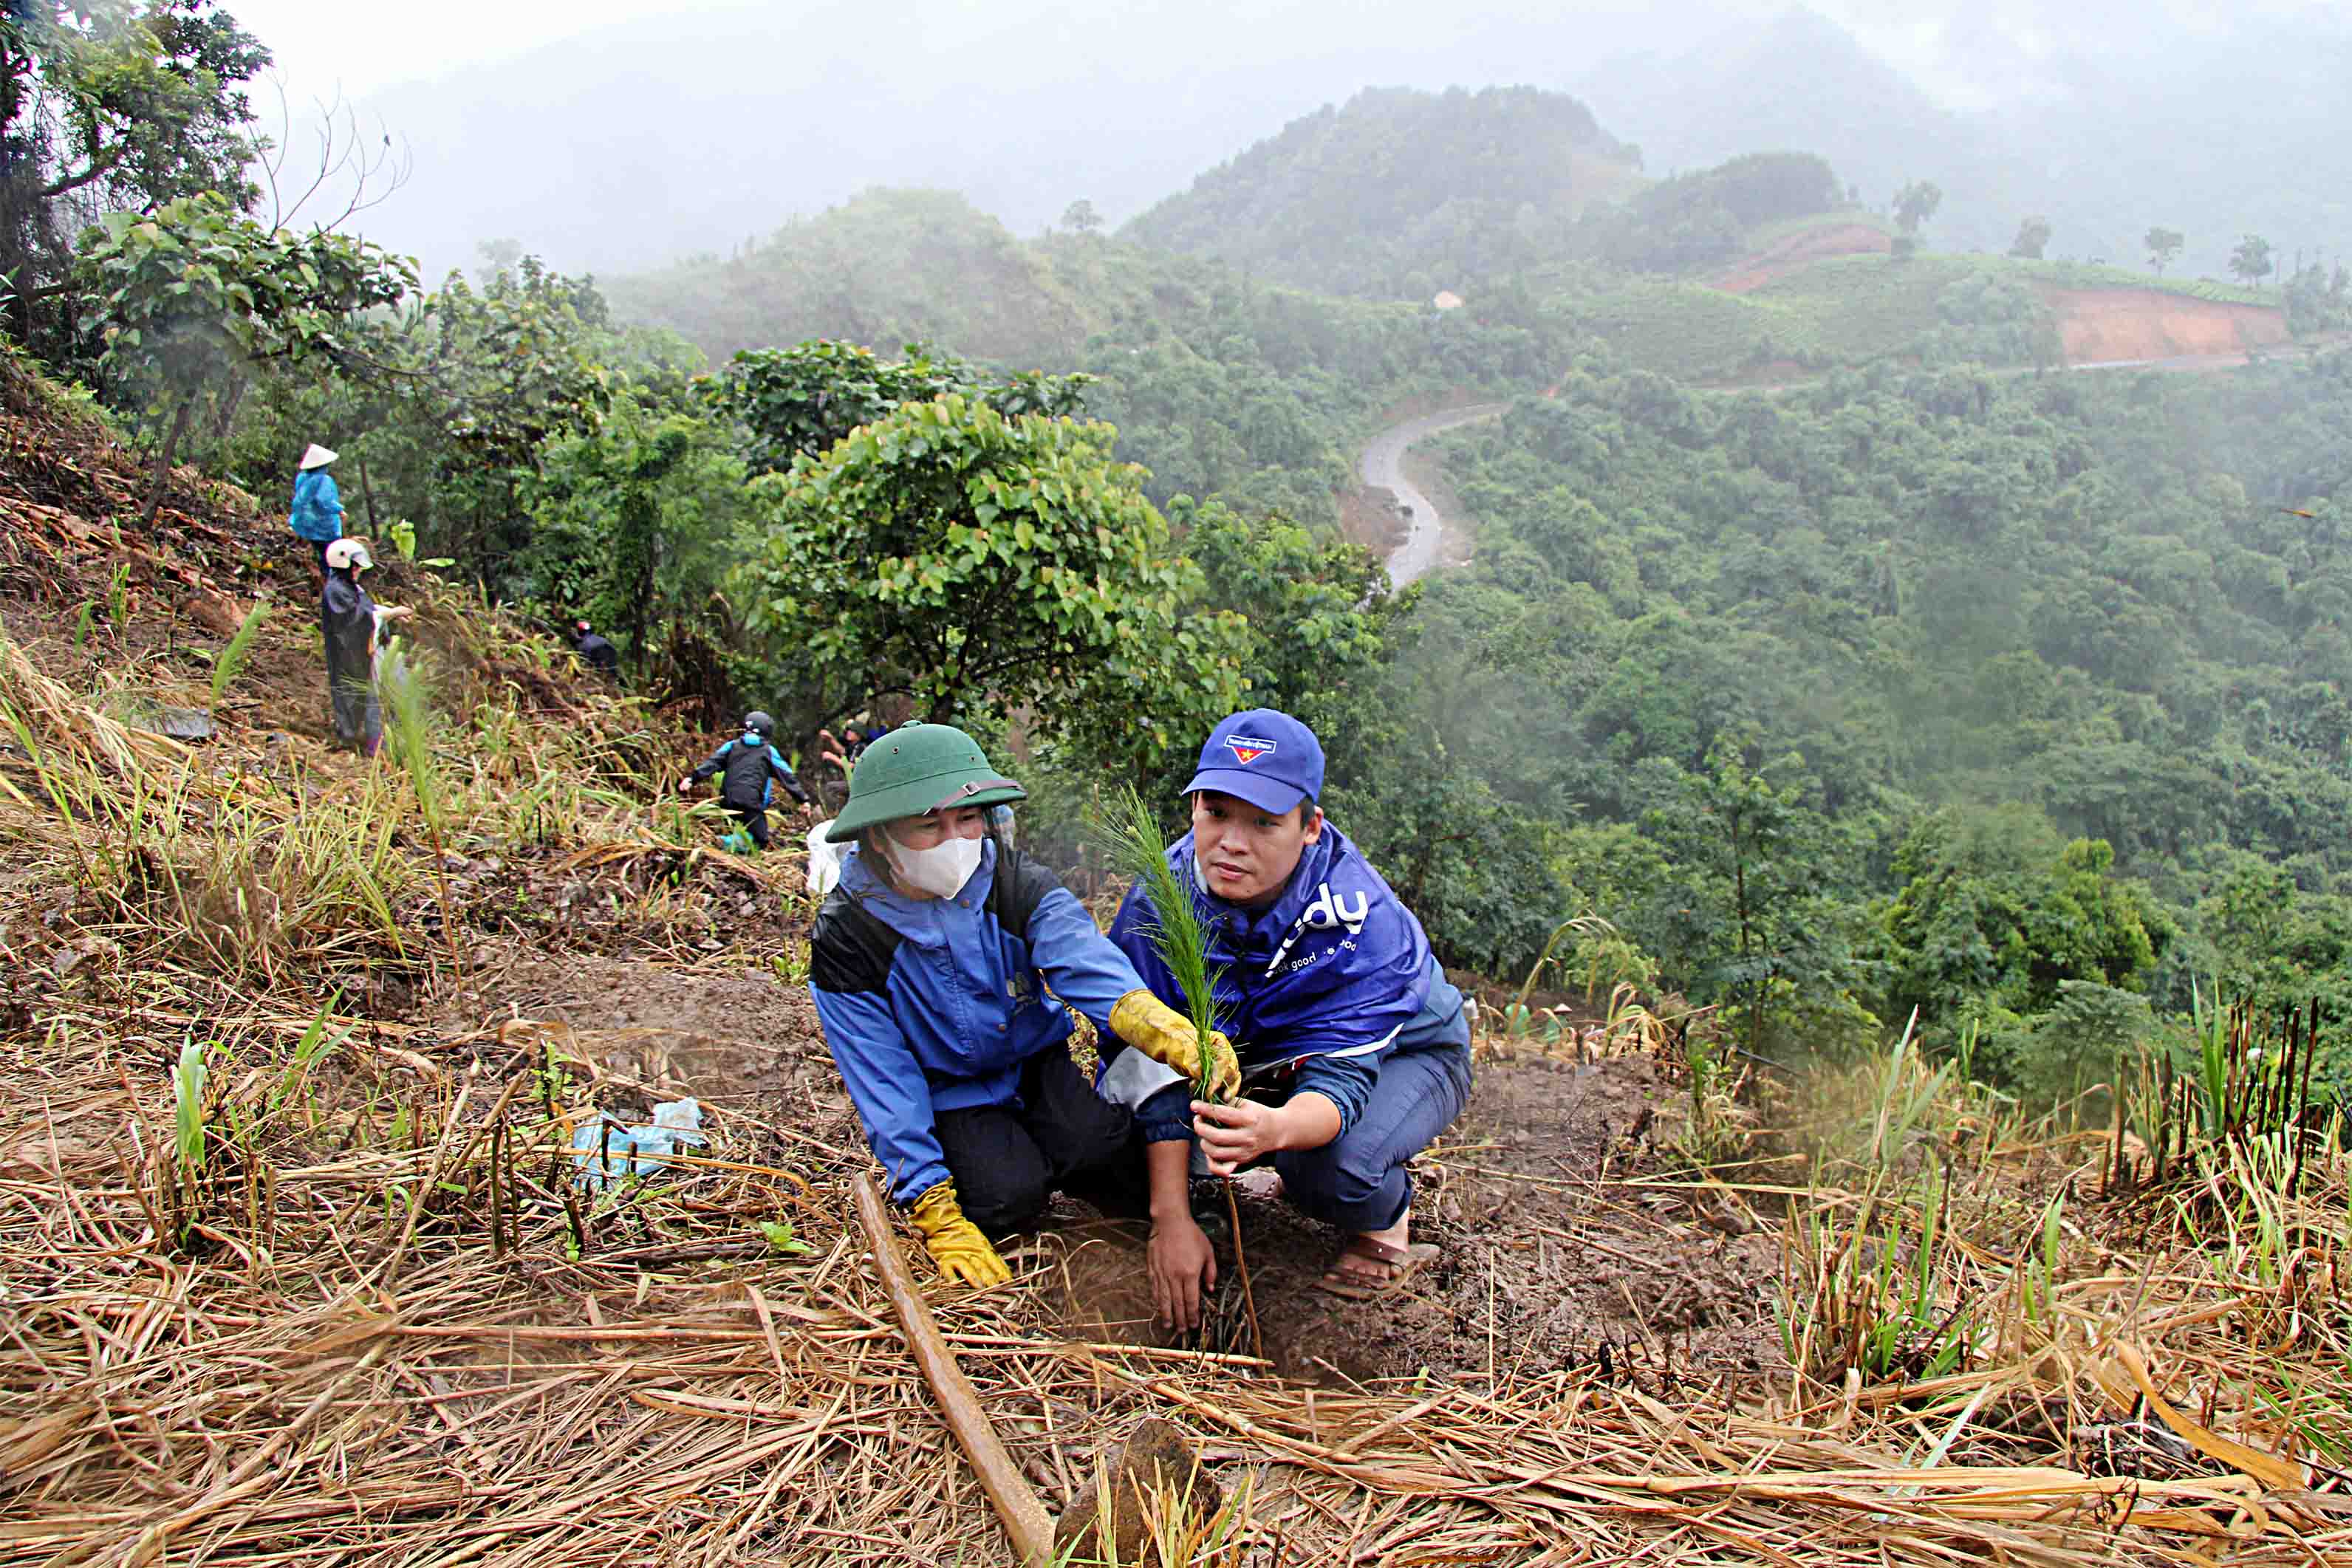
(1402, 1263)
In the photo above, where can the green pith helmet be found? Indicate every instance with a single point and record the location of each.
(915, 768)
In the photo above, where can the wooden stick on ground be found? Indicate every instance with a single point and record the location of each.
(1024, 1516)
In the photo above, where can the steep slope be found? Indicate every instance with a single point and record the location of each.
(1399, 192)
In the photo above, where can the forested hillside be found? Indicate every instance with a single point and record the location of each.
(1398, 193)
(1811, 694)
(1949, 640)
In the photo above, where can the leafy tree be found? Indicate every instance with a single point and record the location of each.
(109, 106)
(963, 559)
(1080, 217)
(1752, 919)
(2318, 300)
(633, 522)
(191, 298)
(1319, 621)
(1990, 903)
(1915, 203)
(2266, 940)
(500, 368)
(800, 402)
(2163, 244)
(2032, 239)
(2251, 261)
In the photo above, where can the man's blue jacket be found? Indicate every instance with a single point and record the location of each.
(933, 1005)
(1318, 986)
(318, 513)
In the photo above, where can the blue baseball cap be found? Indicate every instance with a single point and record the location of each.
(1263, 756)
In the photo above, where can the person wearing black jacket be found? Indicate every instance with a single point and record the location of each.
(351, 622)
(596, 650)
(751, 768)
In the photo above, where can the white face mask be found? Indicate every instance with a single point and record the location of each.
(941, 871)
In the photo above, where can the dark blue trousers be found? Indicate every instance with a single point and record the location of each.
(1358, 1181)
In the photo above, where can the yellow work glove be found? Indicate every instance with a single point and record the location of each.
(1167, 1036)
(962, 1253)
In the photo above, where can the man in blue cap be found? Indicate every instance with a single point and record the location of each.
(1353, 1046)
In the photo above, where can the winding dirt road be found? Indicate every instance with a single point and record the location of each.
(1382, 467)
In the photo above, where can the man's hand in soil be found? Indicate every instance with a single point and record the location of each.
(1232, 1135)
(1179, 1260)
(1183, 1269)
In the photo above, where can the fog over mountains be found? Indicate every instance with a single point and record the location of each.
(630, 145)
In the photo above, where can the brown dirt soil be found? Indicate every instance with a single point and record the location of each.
(722, 1029)
(2099, 324)
(1799, 251)
(1555, 1257)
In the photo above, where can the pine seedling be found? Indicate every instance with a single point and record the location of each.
(1130, 836)
(231, 661)
(408, 699)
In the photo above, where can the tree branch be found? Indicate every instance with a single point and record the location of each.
(99, 168)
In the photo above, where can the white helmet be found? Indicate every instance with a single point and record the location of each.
(348, 552)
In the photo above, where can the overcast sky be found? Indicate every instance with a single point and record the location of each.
(323, 46)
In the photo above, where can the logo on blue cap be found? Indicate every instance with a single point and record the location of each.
(1247, 748)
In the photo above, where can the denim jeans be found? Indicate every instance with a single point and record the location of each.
(1358, 1181)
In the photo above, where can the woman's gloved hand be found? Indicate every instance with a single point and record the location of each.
(1167, 1036)
(956, 1245)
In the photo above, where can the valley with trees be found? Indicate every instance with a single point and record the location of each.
(1876, 745)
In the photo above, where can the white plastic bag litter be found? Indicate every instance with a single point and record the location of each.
(825, 862)
(602, 1147)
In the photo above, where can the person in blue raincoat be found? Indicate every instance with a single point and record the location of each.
(944, 968)
(1354, 1047)
(318, 513)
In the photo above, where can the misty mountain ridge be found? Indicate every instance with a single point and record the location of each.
(633, 145)
(2246, 133)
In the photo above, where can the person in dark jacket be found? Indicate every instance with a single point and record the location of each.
(752, 767)
(598, 653)
(944, 967)
(1355, 1049)
(353, 623)
(317, 516)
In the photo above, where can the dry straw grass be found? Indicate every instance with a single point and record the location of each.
(376, 1323)
(407, 1346)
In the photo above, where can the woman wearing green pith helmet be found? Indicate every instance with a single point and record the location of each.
(931, 967)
